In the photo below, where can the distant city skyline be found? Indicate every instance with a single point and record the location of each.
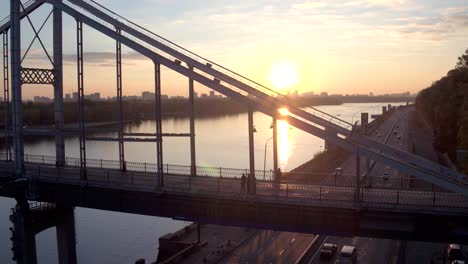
(150, 96)
(338, 46)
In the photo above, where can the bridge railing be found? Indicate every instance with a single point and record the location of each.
(151, 167)
(232, 187)
(308, 178)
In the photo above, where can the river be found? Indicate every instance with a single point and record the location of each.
(110, 237)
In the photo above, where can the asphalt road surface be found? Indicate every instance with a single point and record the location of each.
(394, 131)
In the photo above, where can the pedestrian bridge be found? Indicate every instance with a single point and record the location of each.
(194, 193)
(216, 196)
(161, 51)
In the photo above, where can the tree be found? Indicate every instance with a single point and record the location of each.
(462, 61)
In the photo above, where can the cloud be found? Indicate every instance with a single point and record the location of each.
(103, 58)
(451, 23)
(370, 3)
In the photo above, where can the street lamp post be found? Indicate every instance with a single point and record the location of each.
(264, 157)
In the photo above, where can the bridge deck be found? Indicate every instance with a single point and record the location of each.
(291, 193)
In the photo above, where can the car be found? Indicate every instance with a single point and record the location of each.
(328, 250)
(458, 262)
(385, 176)
(338, 171)
(348, 254)
(394, 132)
(455, 253)
(398, 137)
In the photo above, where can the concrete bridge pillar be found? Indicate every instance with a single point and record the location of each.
(384, 110)
(23, 236)
(27, 222)
(66, 237)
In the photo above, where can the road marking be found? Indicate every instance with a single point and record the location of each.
(281, 252)
(292, 240)
(259, 251)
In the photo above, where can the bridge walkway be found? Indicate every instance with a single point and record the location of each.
(248, 92)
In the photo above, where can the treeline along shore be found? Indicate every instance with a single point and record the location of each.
(444, 105)
(35, 114)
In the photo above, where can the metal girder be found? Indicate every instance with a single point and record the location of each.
(37, 76)
(16, 99)
(251, 144)
(81, 121)
(118, 58)
(110, 139)
(193, 159)
(207, 68)
(319, 117)
(30, 6)
(58, 86)
(6, 96)
(158, 119)
(267, 106)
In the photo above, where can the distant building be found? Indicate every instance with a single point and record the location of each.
(295, 94)
(323, 94)
(164, 96)
(67, 97)
(93, 97)
(129, 98)
(195, 95)
(212, 94)
(42, 99)
(204, 95)
(75, 96)
(308, 94)
(147, 96)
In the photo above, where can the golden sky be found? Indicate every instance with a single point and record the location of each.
(338, 46)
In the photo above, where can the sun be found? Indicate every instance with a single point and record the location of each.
(284, 75)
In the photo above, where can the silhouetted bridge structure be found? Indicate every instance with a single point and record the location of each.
(219, 199)
(187, 194)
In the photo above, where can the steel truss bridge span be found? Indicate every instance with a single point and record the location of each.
(253, 95)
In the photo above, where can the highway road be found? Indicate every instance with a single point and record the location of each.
(394, 131)
(271, 247)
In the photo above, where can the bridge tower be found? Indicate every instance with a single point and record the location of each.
(21, 75)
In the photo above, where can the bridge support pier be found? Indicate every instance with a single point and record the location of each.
(16, 86)
(58, 87)
(275, 149)
(66, 237)
(23, 236)
(6, 97)
(193, 160)
(81, 117)
(118, 49)
(158, 119)
(29, 221)
(251, 148)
